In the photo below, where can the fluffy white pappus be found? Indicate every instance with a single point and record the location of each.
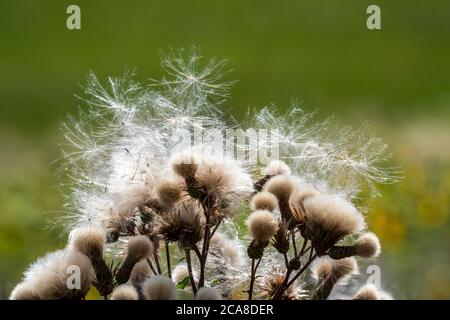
(302, 193)
(139, 247)
(264, 201)
(272, 278)
(368, 292)
(190, 212)
(277, 167)
(296, 201)
(334, 214)
(125, 292)
(385, 295)
(169, 191)
(345, 160)
(262, 225)
(337, 270)
(159, 288)
(180, 272)
(89, 241)
(225, 179)
(226, 250)
(207, 293)
(141, 271)
(185, 163)
(24, 291)
(129, 196)
(368, 245)
(227, 269)
(281, 186)
(49, 275)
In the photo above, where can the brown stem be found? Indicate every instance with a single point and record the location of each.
(151, 266)
(206, 238)
(303, 249)
(169, 270)
(253, 277)
(287, 283)
(156, 258)
(293, 244)
(215, 228)
(252, 280)
(191, 275)
(282, 286)
(286, 260)
(311, 259)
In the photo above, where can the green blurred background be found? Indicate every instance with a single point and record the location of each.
(317, 51)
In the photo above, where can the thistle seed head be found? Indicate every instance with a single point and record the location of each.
(262, 225)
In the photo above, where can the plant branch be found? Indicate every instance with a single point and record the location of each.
(169, 269)
(191, 275)
(253, 277)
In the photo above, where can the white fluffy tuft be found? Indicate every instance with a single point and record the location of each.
(159, 288)
(277, 167)
(281, 186)
(333, 213)
(139, 247)
(88, 240)
(368, 245)
(125, 292)
(262, 225)
(264, 201)
(206, 293)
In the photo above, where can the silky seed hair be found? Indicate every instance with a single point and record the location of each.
(89, 241)
(180, 272)
(47, 276)
(321, 268)
(159, 288)
(333, 213)
(296, 202)
(262, 225)
(277, 167)
(185, 163)
(24, 291)
(281, 186)
(343, 268)
(225, 179)
(169, 192)
(207, 293)
(368, 245)
(302, 193)
(338, 270)
(139, 247)
(264, 201)
(367, 292)
(141, 271)
(125, 292)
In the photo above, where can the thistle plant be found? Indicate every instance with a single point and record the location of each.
(155, 213)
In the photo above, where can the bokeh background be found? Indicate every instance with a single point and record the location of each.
(319, 52)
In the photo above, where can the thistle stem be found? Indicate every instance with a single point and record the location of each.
(286, 260)
(151, 266)
(253, 277)
(189, 266)
(286, 282)
(169, 270)
(294, 245)
(206, 239)
(156, 258)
